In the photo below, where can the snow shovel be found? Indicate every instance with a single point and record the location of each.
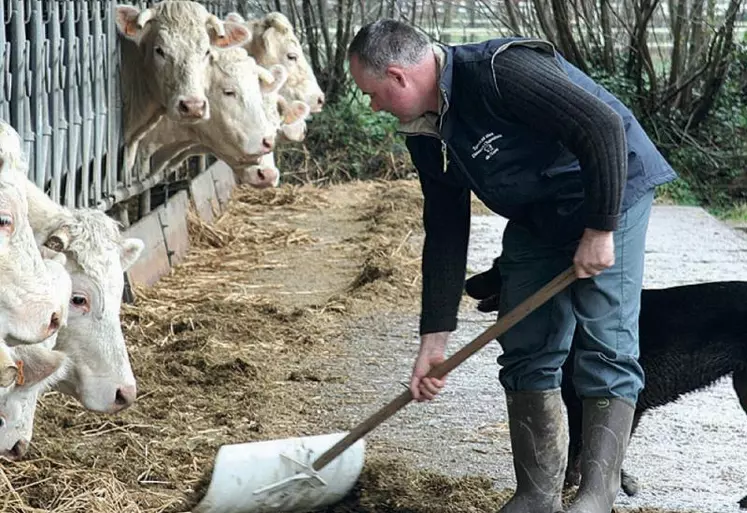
(299, 475)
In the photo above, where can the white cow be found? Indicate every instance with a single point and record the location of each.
(236, 89)
(165, 51)
(38, 368)
(89, 245)
(32, 302)
(100, 375)
(236, 85)
(274, 42)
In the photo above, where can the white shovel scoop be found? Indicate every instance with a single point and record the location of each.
(298, 475)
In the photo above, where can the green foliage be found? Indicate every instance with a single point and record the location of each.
(712, 163)
(347, 140)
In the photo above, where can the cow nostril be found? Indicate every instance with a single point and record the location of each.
(125, 396)
(320, 100)
(54, 323)
(261, 175)
(183, 107)
(19, 450)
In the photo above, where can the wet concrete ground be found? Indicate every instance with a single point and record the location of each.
(687, 456)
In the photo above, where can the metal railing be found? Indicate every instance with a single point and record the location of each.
(60, 89)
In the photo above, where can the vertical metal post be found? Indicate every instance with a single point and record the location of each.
(57, 100)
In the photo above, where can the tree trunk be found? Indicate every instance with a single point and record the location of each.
(565, 41)
(513, 19)
(311, 35)
(446, 25)
(609, 41)
(541, 9)
(679, 16)
(724, 40)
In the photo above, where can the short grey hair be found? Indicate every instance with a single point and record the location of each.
(386, 42)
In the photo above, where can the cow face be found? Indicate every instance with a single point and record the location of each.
(100, 375)
(175, 39)
(274, 42)
(240, 129)
(31, 290)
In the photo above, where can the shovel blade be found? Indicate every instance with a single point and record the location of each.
(275, 476)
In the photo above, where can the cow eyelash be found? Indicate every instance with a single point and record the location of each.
(229, 92)
(292, 57)
(6, 219)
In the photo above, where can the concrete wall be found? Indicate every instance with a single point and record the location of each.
(164, 230)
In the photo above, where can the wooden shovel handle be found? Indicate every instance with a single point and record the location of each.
(504, 323)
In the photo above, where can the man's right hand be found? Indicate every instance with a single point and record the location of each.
(432, 348)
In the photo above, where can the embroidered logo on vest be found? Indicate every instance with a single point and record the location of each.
(485, 146)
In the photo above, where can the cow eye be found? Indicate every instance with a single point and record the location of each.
(6, 220)
(2, 422)
(80, 301)
(229, 92)
(292, 57)
(160, 51)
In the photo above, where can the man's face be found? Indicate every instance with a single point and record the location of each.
(392, 93)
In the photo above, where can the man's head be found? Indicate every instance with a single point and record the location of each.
(393, 63)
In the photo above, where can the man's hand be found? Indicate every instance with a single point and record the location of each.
(432, 348)
(595, 253)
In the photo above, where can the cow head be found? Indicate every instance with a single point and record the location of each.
(240, 129)
(274, 42)
(31, 308)
(176, 39)
(100, 374)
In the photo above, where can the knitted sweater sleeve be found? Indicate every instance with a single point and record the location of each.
(536, 91)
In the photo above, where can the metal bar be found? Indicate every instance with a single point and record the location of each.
(57, 101)
(114, 102)
(99, 110)
(84, 98)
(17, 70)
(5, 79)
(37, 94)
(71, 107)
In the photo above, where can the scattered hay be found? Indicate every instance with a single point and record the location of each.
(220, 360)
(388, 486)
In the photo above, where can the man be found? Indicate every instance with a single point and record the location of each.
(543, 145)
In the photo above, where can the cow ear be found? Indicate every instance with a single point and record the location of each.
(8, 368)
(235, 34)
(130, 251)
(128, 22)
(298, 111)
(59, 239)
(37, 363)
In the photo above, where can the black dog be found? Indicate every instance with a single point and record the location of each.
(690, 336)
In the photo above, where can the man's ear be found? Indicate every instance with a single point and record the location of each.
(397, 74)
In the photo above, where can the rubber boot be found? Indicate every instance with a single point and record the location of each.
(606, 432)
(539, 441)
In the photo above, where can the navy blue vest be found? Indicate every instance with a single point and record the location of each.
(516, 172)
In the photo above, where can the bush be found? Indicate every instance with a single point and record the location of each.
(712, 163)
(347, 141)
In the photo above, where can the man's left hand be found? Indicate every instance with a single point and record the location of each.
(595, 253)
